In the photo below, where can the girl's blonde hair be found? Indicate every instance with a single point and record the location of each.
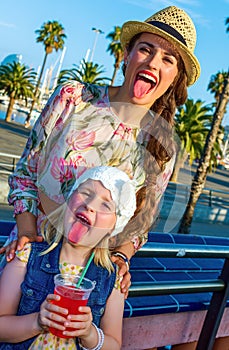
(52, 230)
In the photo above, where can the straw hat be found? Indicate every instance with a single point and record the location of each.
(174, 25)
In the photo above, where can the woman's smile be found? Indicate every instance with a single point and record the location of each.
(151, 68)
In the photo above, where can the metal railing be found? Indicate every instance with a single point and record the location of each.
(219, 287)
(8, 162)
(209, 196)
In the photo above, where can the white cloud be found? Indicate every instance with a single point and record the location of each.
(7, 25)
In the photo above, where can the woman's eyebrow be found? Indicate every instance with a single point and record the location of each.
(152, 46)
(146, 43)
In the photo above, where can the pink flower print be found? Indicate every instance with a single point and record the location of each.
(78, 163)
(74, 94)
(123, 131)
(19, 207)
(56, 101)
(79, 140)
(32, 162)
(25, 183)
(45, 115)
(102, 104)
(67, 92)
(61, 170)
(76, 160)
(59, 124)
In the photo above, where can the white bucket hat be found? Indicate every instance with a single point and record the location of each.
(122, 190)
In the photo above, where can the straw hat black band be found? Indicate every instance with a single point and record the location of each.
(168, 29)
(174, 25)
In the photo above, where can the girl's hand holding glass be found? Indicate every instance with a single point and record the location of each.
(81, 322)
(57, 317)
(51, 315)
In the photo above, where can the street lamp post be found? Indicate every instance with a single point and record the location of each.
(97, 32)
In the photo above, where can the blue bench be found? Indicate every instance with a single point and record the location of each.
(160, 269)
(164, 309)
(5, 229)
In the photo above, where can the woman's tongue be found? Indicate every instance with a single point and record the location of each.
(141, 88)
(77, 231)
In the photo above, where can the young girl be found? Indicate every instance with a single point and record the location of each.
(98, 207)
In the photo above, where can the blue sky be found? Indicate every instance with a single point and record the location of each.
(20, 19)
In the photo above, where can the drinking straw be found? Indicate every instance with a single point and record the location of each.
(85, 269)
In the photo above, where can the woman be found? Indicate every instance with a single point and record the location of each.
(100, 204)
(128, 126)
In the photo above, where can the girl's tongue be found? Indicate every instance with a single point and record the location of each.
(141, 87)
(77, 231)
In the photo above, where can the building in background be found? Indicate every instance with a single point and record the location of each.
(12, 58)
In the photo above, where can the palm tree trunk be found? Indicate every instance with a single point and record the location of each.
(36, 90)
(181, 158)
(10, 109)
(201, 173)
(114, 76)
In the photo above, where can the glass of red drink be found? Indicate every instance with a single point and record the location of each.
(71, 296)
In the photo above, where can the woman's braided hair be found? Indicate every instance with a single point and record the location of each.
(159, 150)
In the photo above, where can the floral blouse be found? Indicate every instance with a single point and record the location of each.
(46, 341)
(77, 129)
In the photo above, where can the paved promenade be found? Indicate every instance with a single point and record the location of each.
(13, 139)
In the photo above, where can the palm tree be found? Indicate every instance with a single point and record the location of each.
(201, 173)
(52, 36)
(227, 24)
(87, 72)
(217, 150)
(115, 49)
(192, 123)
(17, 81)
(216, 84)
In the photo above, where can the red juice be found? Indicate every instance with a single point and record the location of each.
(71, 299)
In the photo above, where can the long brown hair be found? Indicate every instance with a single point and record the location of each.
(159, 150)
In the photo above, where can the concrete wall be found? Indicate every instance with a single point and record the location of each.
(146, 332)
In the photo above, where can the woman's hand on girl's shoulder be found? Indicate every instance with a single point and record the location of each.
(10, 249)
(123, 272)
